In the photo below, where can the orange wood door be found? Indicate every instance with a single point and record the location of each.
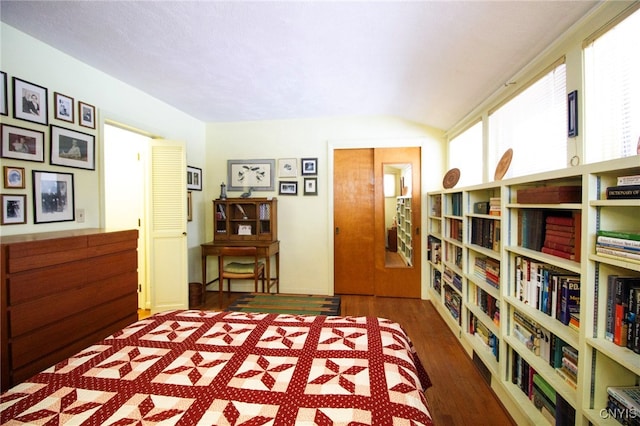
(353, 217)
(397, 281)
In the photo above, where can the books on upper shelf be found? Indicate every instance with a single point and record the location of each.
(562, 236)
(494, 206)
(621, 245)
(628, 180)
(622, 325)
(623, 192)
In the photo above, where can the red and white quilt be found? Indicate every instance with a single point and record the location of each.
(233, 368)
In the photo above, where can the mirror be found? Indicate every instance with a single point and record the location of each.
(397, 215)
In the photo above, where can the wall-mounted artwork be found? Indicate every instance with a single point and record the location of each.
(4, 109)
(87, 114)
(53, 199)
(257, 175)
(311, 186)
(13, 177)
(309, 166)
(14, 209)
(288, 188)
(22, 144)
(71, 148)
(287, 167)
(194, 178)
(63, 107)
(29, 102)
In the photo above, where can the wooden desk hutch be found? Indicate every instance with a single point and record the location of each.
(245, 222)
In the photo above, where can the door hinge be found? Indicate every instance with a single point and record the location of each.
(139, 288)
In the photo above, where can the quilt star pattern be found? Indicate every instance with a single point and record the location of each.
(192, 367)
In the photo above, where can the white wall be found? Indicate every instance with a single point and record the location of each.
(28, 59)
(305, 223)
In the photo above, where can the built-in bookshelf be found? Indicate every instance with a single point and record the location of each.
(245, 219)
(532, 264)
(403, 217)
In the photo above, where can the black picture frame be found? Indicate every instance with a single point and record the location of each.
(21, 144)
(288, 187)
(86, 115)
(572, 114)
(310, 186)
(309, 166)
(63, 107)
(71, 148)
(4, 106)
(14, 209)
(194, 178)
(30, 102)
(53, 197)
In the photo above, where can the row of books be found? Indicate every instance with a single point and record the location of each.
(485, 337)
(434, 250)
(627, 188)
(455, 229)
(620, 245)
(562, 236)
(623, 404)
(453, 279)
(488, 304)
(456, 204)
(485, 233)
(437, 281)
(549, 289)
(487, 270)
(623, 311)
(554, 408)
(453, 254)
(453, 302)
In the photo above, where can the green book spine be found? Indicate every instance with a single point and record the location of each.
(545, 387)
(626, 235)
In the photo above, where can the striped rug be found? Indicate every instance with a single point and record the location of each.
(298, 304)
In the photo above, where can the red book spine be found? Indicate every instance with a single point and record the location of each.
(559, 253)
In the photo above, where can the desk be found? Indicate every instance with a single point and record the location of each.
(266, 249)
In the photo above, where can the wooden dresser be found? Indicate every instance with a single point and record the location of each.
(61, 292)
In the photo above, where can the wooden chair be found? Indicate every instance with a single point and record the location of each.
(240, 270)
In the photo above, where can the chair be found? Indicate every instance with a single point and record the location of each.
(240, 270)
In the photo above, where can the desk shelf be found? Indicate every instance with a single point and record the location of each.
(245, 219)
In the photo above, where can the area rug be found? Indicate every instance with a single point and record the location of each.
(298, 304)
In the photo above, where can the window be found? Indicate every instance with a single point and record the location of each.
(465, 153)
(534, 125)
(612, 92)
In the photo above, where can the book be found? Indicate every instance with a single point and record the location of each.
(621, 308)
(626, 235)
(628, 180)
(618, 242)
(569, 299)
(623, 192)
(628, 396)
(618, 254)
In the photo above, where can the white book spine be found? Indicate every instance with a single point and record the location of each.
(618, 241)
(629, 180)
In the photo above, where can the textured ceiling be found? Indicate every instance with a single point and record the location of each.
(222, 61)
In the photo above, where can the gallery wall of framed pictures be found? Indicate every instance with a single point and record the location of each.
(44, 136)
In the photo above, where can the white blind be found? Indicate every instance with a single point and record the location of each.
(465, 153)
(612, 92)
(534, 125)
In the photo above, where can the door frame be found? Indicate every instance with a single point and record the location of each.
(333, 145)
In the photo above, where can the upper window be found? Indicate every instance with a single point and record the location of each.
(465, 153)
(612, 92)
(534, 125)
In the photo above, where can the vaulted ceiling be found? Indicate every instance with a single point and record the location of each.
(430, 62)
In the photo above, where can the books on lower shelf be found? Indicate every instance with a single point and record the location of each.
(624, 404)
(622, 325)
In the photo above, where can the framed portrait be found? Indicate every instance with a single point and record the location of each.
(287, 168)
(189, 207)
(194, 178)
(30, 102)
(87, 114)
(13, 177)
(63, 107)
(22, 144)
(310, 186)
(255, 174)
(14, 209)
(309, 166)
(4, 109)
(572, 114)
(71, 148)
(288, 188)
(53, 199)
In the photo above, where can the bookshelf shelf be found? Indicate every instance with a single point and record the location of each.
(580, 194)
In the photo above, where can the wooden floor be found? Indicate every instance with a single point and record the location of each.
(459, 395)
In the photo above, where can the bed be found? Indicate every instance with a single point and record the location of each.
(230, 368)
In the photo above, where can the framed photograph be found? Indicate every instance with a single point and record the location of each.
(71, 148)
(244, 229)
(194, 178)
(255, 174)
(309, 166)
(310, 186)
(287, 167)
(4, 109)
(288, 188)
(87, 114)
(189, 207)
(22, 144)
(14, 209)
(29, 102)
(63, 107)
(53, 199)
(13, 177)
(572, 114)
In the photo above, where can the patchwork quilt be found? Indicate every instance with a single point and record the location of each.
(233, 368)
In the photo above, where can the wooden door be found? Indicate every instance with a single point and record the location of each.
(397, 281)
(353, 217)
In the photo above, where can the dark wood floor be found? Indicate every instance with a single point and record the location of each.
(459, 395)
